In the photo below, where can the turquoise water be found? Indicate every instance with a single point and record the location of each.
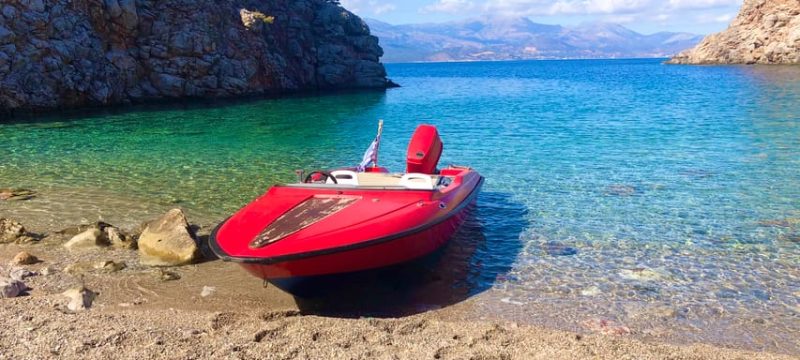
(665, 198)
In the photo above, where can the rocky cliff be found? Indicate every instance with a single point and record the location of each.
(76, 53)
(764, 32)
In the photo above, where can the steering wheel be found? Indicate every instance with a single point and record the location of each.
(311, 179)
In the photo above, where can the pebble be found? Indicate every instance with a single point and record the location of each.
(512, 302)
(208, 291)
(24, 258)
(20, 274)
(606, 327)
(80, 298)
(641, 274)
(591, 291)
(10, 288)
(164, 275)
(110, 266)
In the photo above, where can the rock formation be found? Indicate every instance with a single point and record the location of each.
(764, 32)
(77, 53)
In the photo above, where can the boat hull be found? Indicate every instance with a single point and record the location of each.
(397, 249)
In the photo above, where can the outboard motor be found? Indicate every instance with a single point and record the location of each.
(424, 150)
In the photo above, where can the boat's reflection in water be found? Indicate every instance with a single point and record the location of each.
(483, 249)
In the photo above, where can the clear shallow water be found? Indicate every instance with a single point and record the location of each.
(665, 198)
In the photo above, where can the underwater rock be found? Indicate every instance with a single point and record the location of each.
(10, 230)
(557, 249)
(16, 194)
(795, 238)
(641, 274)
(89, 239)
(168, 241)
(781, 223)
(80, 298)
(24, 258)
(78, 268)
(10, 288)
(591, 291)
(620, 190)
(606, 327)
(208, 291)
(164, 275)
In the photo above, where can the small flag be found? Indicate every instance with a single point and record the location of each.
(371, 155)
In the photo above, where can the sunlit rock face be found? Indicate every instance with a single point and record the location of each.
(77, 53)
(764, 32)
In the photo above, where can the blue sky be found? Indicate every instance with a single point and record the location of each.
(646, 16)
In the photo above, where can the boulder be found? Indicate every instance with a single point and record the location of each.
(90, 239)
(168, 241)
(24, 258)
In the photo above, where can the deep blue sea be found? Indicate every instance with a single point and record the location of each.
(663, 198)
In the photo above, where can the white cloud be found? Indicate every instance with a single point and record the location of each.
(724, 18)
(373, 7)
(702, 4)
(383, 8)
(599, 7)
(448, 6)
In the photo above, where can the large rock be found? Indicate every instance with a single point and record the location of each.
(77, 53)
(168, 241)
(764, 32)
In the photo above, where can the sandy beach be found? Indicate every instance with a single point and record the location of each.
(214, 310)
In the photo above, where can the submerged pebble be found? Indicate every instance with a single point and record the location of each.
(606, 327)
(208, 291)
(641, 274)
(591, 291)
(620, 190)
(557, 249)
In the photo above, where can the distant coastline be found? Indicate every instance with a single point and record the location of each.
(518, 38)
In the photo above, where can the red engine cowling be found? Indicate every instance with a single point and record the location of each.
(424, 150)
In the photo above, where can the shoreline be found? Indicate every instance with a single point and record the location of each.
(215, 309)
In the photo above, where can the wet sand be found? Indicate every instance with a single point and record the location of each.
(139, 315)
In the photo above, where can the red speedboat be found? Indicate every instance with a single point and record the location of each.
(345, 221)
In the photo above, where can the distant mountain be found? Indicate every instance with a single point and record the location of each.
(519, 39)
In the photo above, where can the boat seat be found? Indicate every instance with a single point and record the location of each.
(344, 177)
(418, 181)
(378, 179)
